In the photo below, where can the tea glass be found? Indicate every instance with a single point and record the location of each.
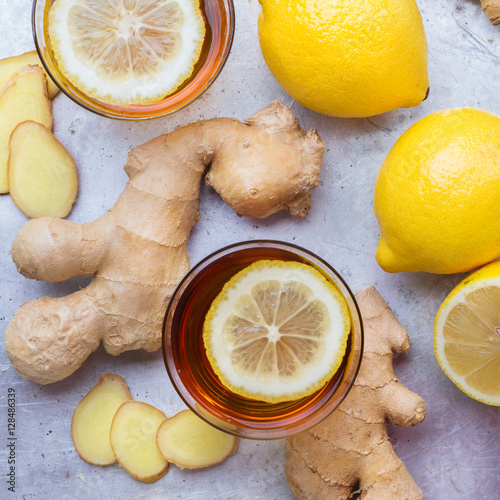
(219, 17)
(191, 373)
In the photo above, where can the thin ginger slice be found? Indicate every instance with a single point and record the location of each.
(189, 442)
(23, 98)
(42, 175)
(133, 439)
(92, 419)
(9, 66)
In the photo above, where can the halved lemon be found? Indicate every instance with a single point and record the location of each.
(467, 335)
(277, 331)
(126, 51)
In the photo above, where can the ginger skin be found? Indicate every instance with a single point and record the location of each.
(492, 9)
(351, 446)
(138, 250)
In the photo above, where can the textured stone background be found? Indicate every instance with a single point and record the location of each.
(454, 454)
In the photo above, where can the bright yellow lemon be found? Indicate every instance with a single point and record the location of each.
(438, 192)
(349, 58)
(467, 335)
(277, 331)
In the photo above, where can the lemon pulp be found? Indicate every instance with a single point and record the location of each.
(467, 335)
(126, 51)
(277, 331)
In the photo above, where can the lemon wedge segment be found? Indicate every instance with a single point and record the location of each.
(277, 331)
(126, 52)
(467, 335)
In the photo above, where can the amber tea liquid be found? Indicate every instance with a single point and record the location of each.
(194, 372)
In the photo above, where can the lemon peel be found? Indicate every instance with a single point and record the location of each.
(437, 194)
(277, 331)
(355, 58)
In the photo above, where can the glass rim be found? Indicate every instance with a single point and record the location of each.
(226, 42)
(282, 430)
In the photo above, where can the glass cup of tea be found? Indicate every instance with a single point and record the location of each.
(219, 22)
(189, 368)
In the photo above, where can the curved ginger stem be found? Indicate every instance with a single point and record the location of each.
(138, 251)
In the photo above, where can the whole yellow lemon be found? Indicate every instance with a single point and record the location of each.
(437, 195)
(346, 58)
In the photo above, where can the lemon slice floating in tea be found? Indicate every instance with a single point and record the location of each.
(467, 335)
(277, 331)
(126, 51)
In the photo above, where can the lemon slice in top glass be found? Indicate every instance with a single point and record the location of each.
(467, 335)
(277, 331)
(126, 52)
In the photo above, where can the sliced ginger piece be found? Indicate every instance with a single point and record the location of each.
(9, 66)
(189, 442)
(133, 439)
(23, 98)
(42, 175)
(92, 419)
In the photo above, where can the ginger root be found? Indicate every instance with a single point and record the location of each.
(351, 447)
(492, 9)
(93, 416)
(42, 174)
(190, 443)
(138, 250)
(133, 439)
